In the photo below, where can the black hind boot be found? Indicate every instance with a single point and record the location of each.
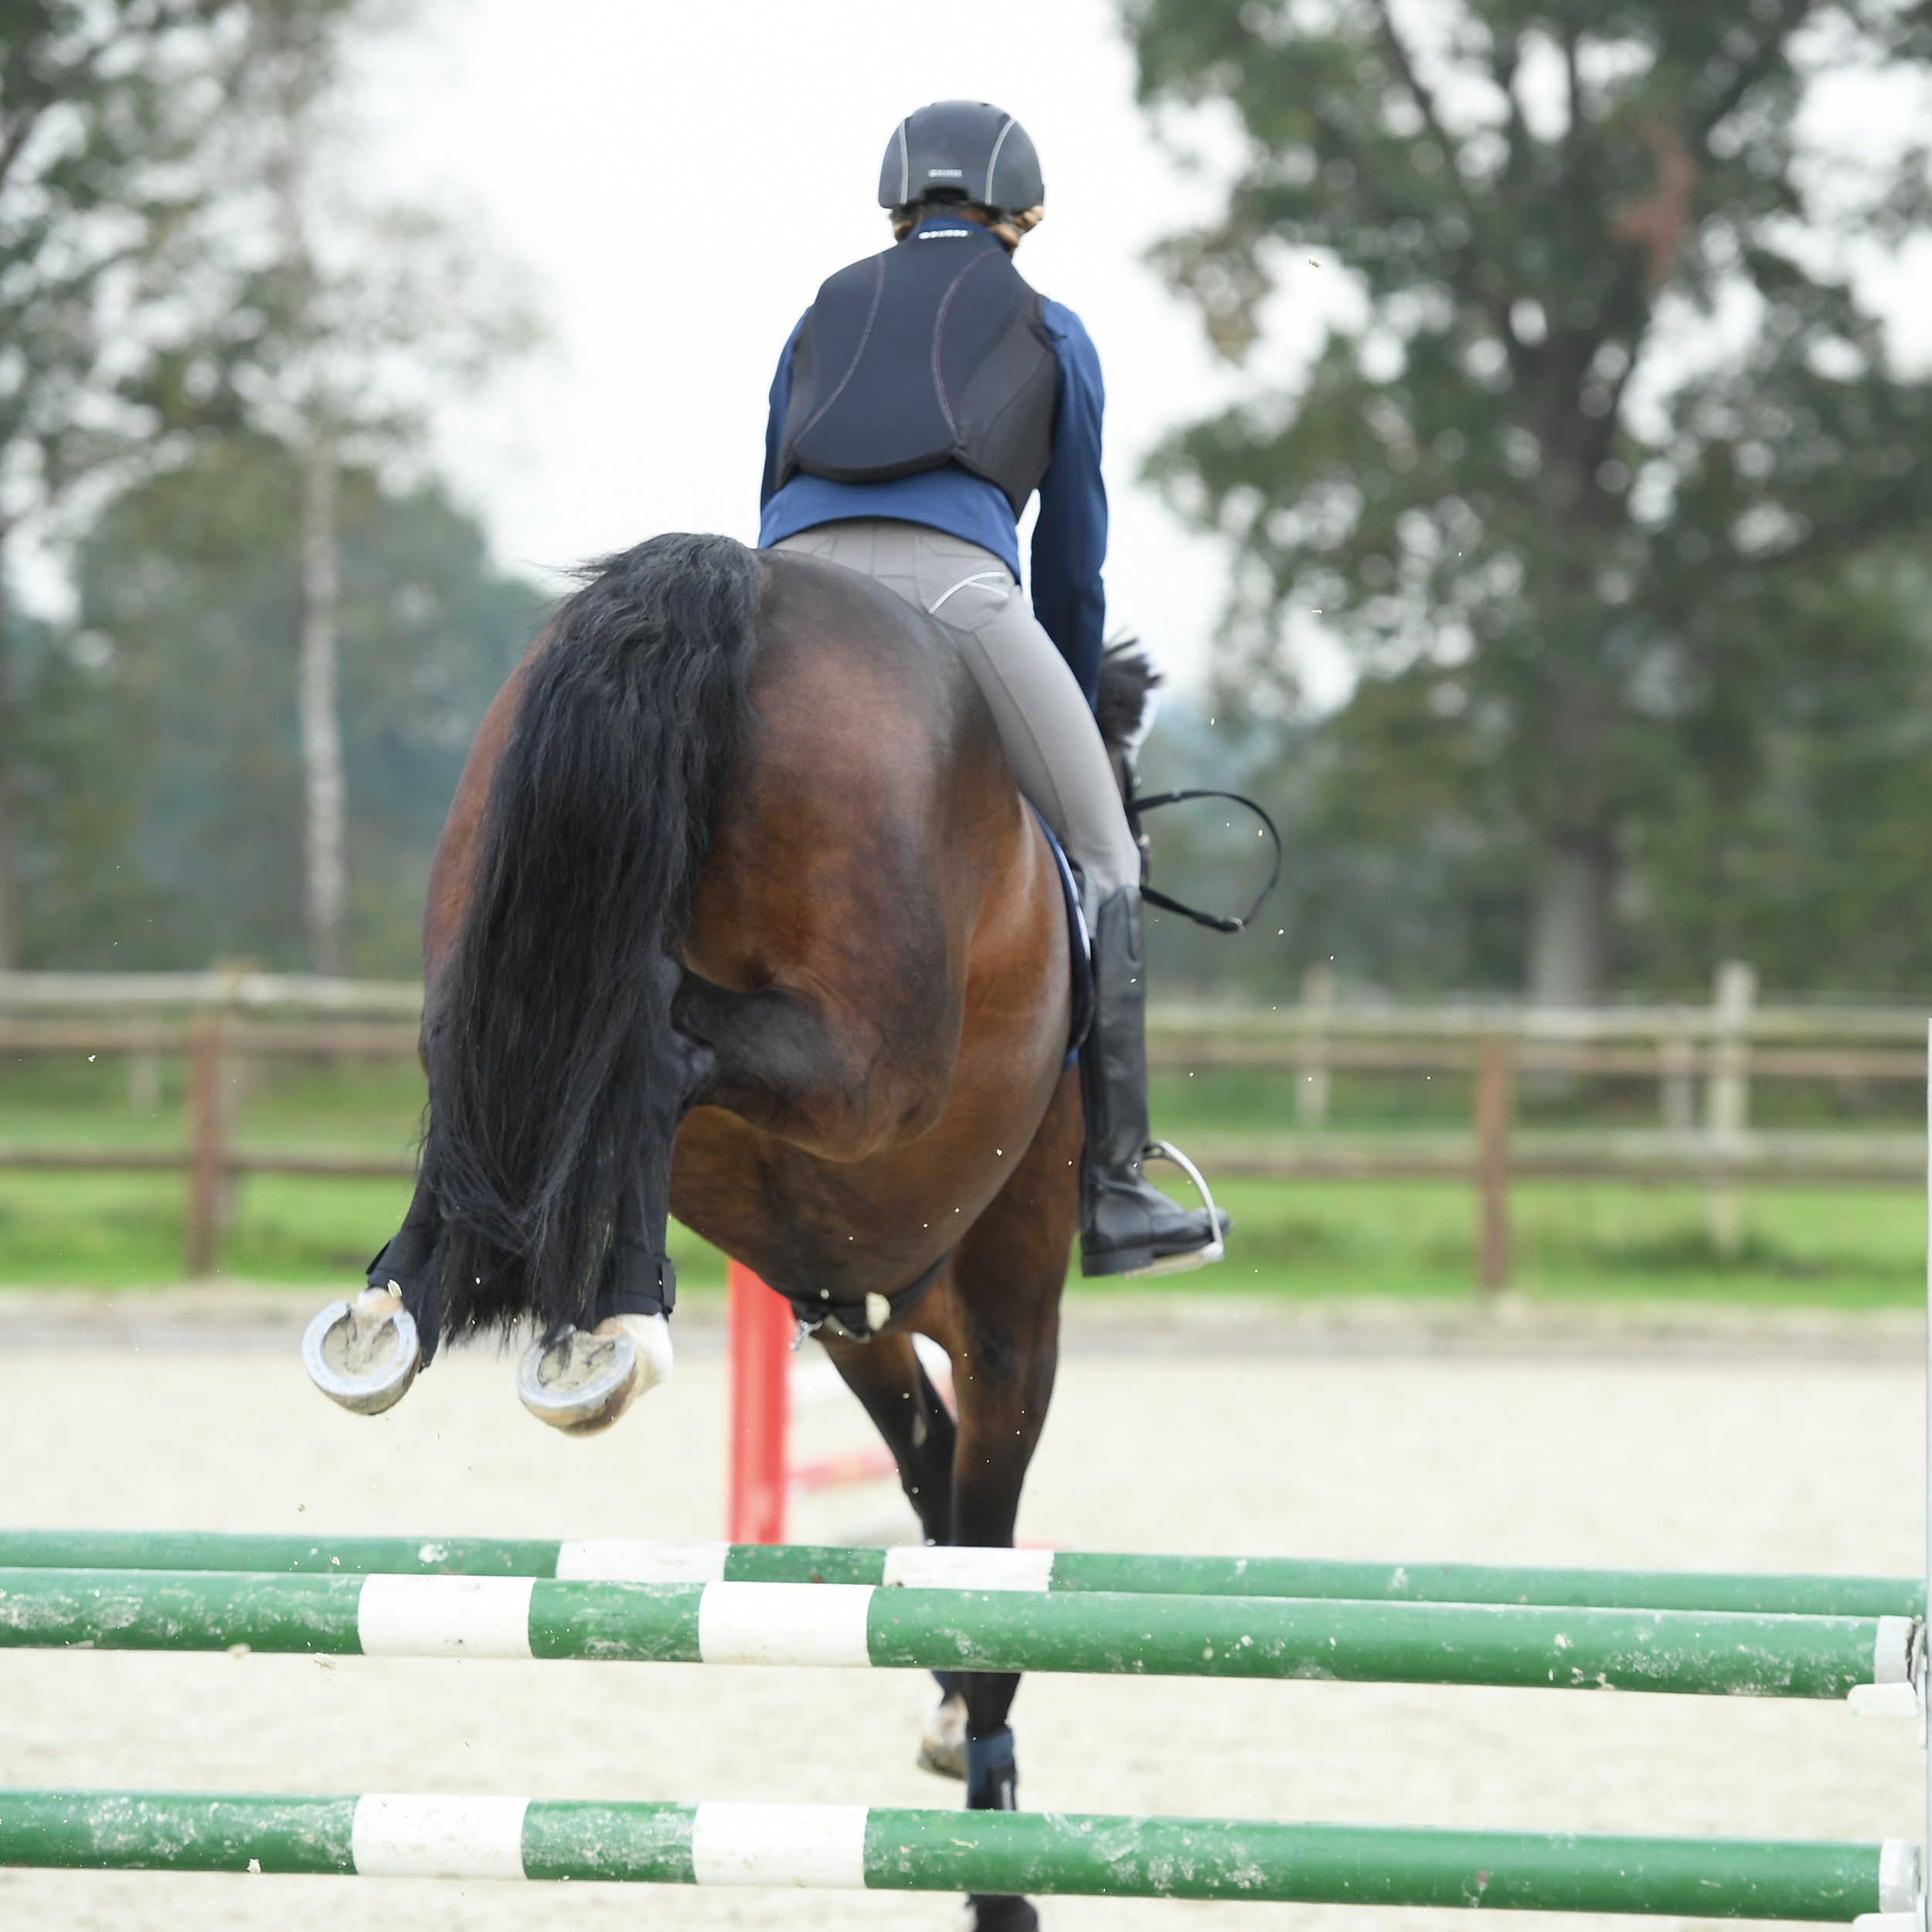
(1127, 1225)
(992, 1784)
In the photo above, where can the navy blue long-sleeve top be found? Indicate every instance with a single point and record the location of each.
(1069, 537)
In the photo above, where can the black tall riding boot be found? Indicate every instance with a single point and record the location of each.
(1127, 1225)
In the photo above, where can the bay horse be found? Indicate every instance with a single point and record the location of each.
(739, 914)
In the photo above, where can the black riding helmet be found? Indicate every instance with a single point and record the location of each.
(967, 149)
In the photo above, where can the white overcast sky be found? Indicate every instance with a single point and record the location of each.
(679, 180)
(675, 181)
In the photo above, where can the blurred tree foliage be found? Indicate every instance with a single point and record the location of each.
(161, 788)
(108, 109)
(1794, 830)
(356, 316)
(1605, 491)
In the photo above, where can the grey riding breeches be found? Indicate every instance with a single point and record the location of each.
(1044, 720)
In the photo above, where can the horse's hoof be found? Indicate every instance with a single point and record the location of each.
(942, 1744)
(998, 1912)
(365, 1353)
(581, 1384)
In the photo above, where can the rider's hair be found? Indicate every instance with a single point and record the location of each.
(1008, 223)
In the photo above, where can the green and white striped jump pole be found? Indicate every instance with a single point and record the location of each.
(1095, 1633)
(630, 1561)
(849, 1847)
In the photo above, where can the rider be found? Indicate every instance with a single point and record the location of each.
(923, 398)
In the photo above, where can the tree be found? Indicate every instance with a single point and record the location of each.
(1800, 837)
(168, 271)
(164, 820)
(351, 309)
(82, 740)
(1614, 408)
(105, 110)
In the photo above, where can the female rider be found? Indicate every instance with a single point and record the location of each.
(922, 398)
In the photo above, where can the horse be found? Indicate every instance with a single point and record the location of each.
(739, 915)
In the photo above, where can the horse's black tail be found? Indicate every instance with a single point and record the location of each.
(1128, 681)
(547, 1028)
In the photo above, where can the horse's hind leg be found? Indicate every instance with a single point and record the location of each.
(1000, 1319)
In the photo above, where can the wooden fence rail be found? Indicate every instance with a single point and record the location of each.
(216, 1020)
(210, 1039)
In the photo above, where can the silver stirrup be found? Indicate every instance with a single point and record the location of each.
(1195, 1257)
(349, 1361)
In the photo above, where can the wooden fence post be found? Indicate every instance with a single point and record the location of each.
(1495, 1097)
(144, 1071)
(207, 1117)
(1727, 1099)
(1677, 1107)
(1311, 1083)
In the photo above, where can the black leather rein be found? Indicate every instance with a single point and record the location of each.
(1215, 922)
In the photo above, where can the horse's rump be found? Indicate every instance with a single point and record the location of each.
(895, 954)
(749, 844)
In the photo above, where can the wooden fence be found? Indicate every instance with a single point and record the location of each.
(1715, 1053)
(214, 1022)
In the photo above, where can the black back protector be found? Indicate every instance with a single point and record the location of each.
(934, 352)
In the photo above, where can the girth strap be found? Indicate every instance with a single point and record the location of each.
(853, 1319)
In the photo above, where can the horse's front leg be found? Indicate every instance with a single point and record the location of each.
(891, 1384)
(1002, 1316)
(1003, 1380)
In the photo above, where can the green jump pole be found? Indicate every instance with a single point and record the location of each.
(850, 1847)
(642, 1562)
(1095, 1633)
